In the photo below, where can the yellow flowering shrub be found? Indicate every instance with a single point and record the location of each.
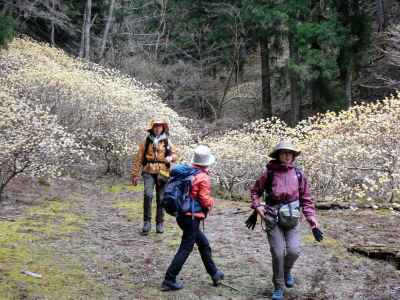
(106, 110)
(355, 154)
(31, 140)
(352, 155)
(56, 110)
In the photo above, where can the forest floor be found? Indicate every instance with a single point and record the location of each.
(81, 240)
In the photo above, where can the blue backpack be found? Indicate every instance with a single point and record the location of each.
(177, 199)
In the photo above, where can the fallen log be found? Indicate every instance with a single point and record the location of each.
(389, 253)
(331, 205)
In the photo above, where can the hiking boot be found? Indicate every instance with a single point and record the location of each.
(277, 294)
(289, 280)
(146, 228)
(160, 228)
(171, 285)
(218, 276)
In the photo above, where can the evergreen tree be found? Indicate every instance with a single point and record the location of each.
(265, 22)
(7, 30)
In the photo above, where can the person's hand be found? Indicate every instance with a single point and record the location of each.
(318, 234)
(135, 181)
(252, 220)
(168, 159)
(261, 211)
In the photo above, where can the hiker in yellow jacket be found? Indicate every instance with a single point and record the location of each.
(153, 161)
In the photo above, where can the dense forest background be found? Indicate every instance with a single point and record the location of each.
(225, 60)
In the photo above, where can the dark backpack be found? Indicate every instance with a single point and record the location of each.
(177, 199)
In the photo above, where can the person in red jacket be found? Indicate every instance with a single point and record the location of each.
(190, 225)
(287, 193)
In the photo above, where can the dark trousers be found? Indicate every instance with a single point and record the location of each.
(191, 235)
(150, 182)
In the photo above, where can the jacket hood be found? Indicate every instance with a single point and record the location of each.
(276, 165)
(180, 171)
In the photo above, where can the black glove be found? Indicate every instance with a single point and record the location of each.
(318, 235)
(252, 220)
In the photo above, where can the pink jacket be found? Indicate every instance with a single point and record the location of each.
(285, 187)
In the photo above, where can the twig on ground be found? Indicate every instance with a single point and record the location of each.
(7, 219)
(229, 286)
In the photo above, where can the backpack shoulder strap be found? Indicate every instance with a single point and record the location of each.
(268, 186)
(189, 182)
(299, 174)
(146, 146)
(168, 151)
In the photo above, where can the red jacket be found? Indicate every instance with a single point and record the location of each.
(285, 186)
(201, 190)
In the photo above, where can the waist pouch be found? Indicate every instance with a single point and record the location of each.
(289, 215)
(271, 218)
(162, 177)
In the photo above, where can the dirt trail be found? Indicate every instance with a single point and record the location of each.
(116, 262)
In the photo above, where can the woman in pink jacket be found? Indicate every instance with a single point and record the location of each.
(286, 194)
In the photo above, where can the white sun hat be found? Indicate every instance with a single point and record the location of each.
(284, 145)
(202, 156)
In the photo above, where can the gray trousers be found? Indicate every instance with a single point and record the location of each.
(285, 249)
(150, 182)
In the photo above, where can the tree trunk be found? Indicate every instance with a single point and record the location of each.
(295, 98)
(82, 47)
(162, 26)
(349, 82)
(380, 5)
(88, 24)
(266, 98)
(315, 95)
(107, 29)
(53, 7)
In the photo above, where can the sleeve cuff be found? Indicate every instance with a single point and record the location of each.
(312, 221)
(254, 206)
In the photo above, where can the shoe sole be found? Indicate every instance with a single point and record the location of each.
(166, 288)
(289, 285)
(218, 282)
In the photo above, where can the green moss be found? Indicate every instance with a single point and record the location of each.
(23, 246)
(60, 279)
(43, 181)
(134, 212)
(52, 219)
(174, 243)
(327, 242)
(384, 212)
(124, 187)
(133, 208)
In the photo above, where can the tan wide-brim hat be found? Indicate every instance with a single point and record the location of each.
(202, 156)
(159, 121)
(284, 145)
